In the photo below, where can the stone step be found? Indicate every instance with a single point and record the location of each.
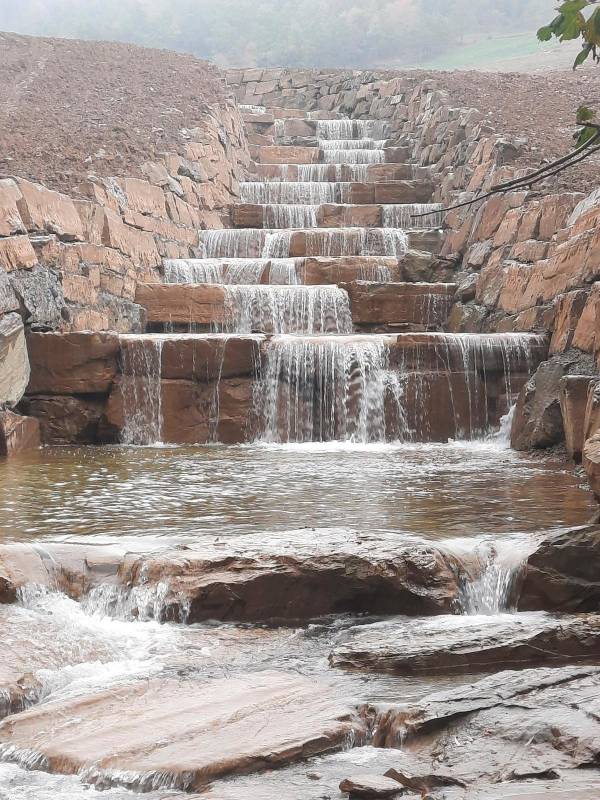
(299, 154)
(261, 242)
(346, 192)
(361, 173)
(373, 305)
(337, 215)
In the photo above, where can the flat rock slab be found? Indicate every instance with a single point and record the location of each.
(370, 786)
(245, 579)
(502, 728)
(167, 733)
(462, 643)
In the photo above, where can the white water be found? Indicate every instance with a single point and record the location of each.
(352, 144)
(352, 128)
(288, 215)
(287, 309)
(141, 359)
(356, 156)
(403, 216)
(232, 271)
(302, 192)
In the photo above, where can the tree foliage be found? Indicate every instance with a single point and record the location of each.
(576, 19)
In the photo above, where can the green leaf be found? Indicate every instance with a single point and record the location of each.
(582, 57)
(585, 114)
(545, 34)
(585, 135)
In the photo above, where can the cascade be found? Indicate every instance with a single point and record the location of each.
(351, 128)
(287, 215)
(352, 144)
(402, 216)
(359, 156)
(141, 358)
(287, 309)
(376, 273)
(306, 192)
(231, 271)
(324, 389)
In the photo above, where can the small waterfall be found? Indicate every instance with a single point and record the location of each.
(287, 309)
(324, 389)
(284, 272)
(277, 245)
(351, 128)
(375, 273)
(357, 241)
(141, 361)
(311, 173)
(232, 243)
(352, 144)
(402, 216)
(339, 173)
(290, 216)
(362, 156)
(355, 173)
(304, 192)
(193, 271)
(279, 130)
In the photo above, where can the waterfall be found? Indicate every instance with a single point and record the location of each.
(287, 309)
(277, 245)
(357, 241)
(402, 216)
(376, 273)
(231, 271)
(311, 173)
(290, 216)
(304, 192)
(141, 363)
(363, 156)
(249, 109)
(324, 389)
(232, 243)
(352, 128)
(352, 144)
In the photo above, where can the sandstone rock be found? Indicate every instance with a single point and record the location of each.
(203, 304)
(232, 726)
(324, 270)
(10, 219)
(538, 420)
(66, 419)
(516, 723)
(569, 309)
(592, 409)
(399, 303)
(16, 252)
(8, 298)
(72, 363)
(277, 154)
(468, 644)
(14, 363)
(45, 211)
(370, 786)
(591, 463)
(138, 245)
(562, 574)
(585, 336)
(402, 191)
(573, 403)
(331, 215)
(207, 359)
(17, 433)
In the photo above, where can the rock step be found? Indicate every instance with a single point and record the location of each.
(361, 173)
(371, 303)
(205, 730)
(354, 193)
(312, 154)
(331, 215)
(331, 242)
(268, 124)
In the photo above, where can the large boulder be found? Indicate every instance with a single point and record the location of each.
(41, 297)
(563, 574)
(538, 421)
(72, 363)
(18, 433)
(573, 403)
(14, 361)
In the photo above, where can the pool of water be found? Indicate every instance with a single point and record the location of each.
(435, 492)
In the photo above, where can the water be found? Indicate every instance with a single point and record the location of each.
(352, 129)
(287, 309)
(232, 271)
(286, 215)
(140, 387)
(403, 216)
(307, 192)
(354, 156)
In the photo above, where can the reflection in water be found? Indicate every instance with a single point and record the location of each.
(431, 491)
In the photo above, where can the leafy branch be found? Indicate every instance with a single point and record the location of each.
(575, 22)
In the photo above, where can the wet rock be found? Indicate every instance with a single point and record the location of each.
(18, 433)
(294, 577)
(464, 643)
(532, 720)
(573, 404)
(423, 784)
(399, 303)
(538, 420)
(370, 786)
(179, 303)
(207, 359)
(205, 732)
(72, 363)
(14, 362)
(67, 419)
(563, 574)
(591, 463)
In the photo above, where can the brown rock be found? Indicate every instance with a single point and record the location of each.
(206, 732)
(277, 154)
(370, 786)
(209, 358)
(324, 270)
(138, 245)
(181, 303)
(10, 219)
(18, 433)
(585, 336)
(569, 309)
(16, 252)
(402, 191)
(573, 404)
(14, 362)
(349, 216)
(45, 211)
(592, 409)
(67, 420)
(400, 303)
(72, 363)
(591, 463)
